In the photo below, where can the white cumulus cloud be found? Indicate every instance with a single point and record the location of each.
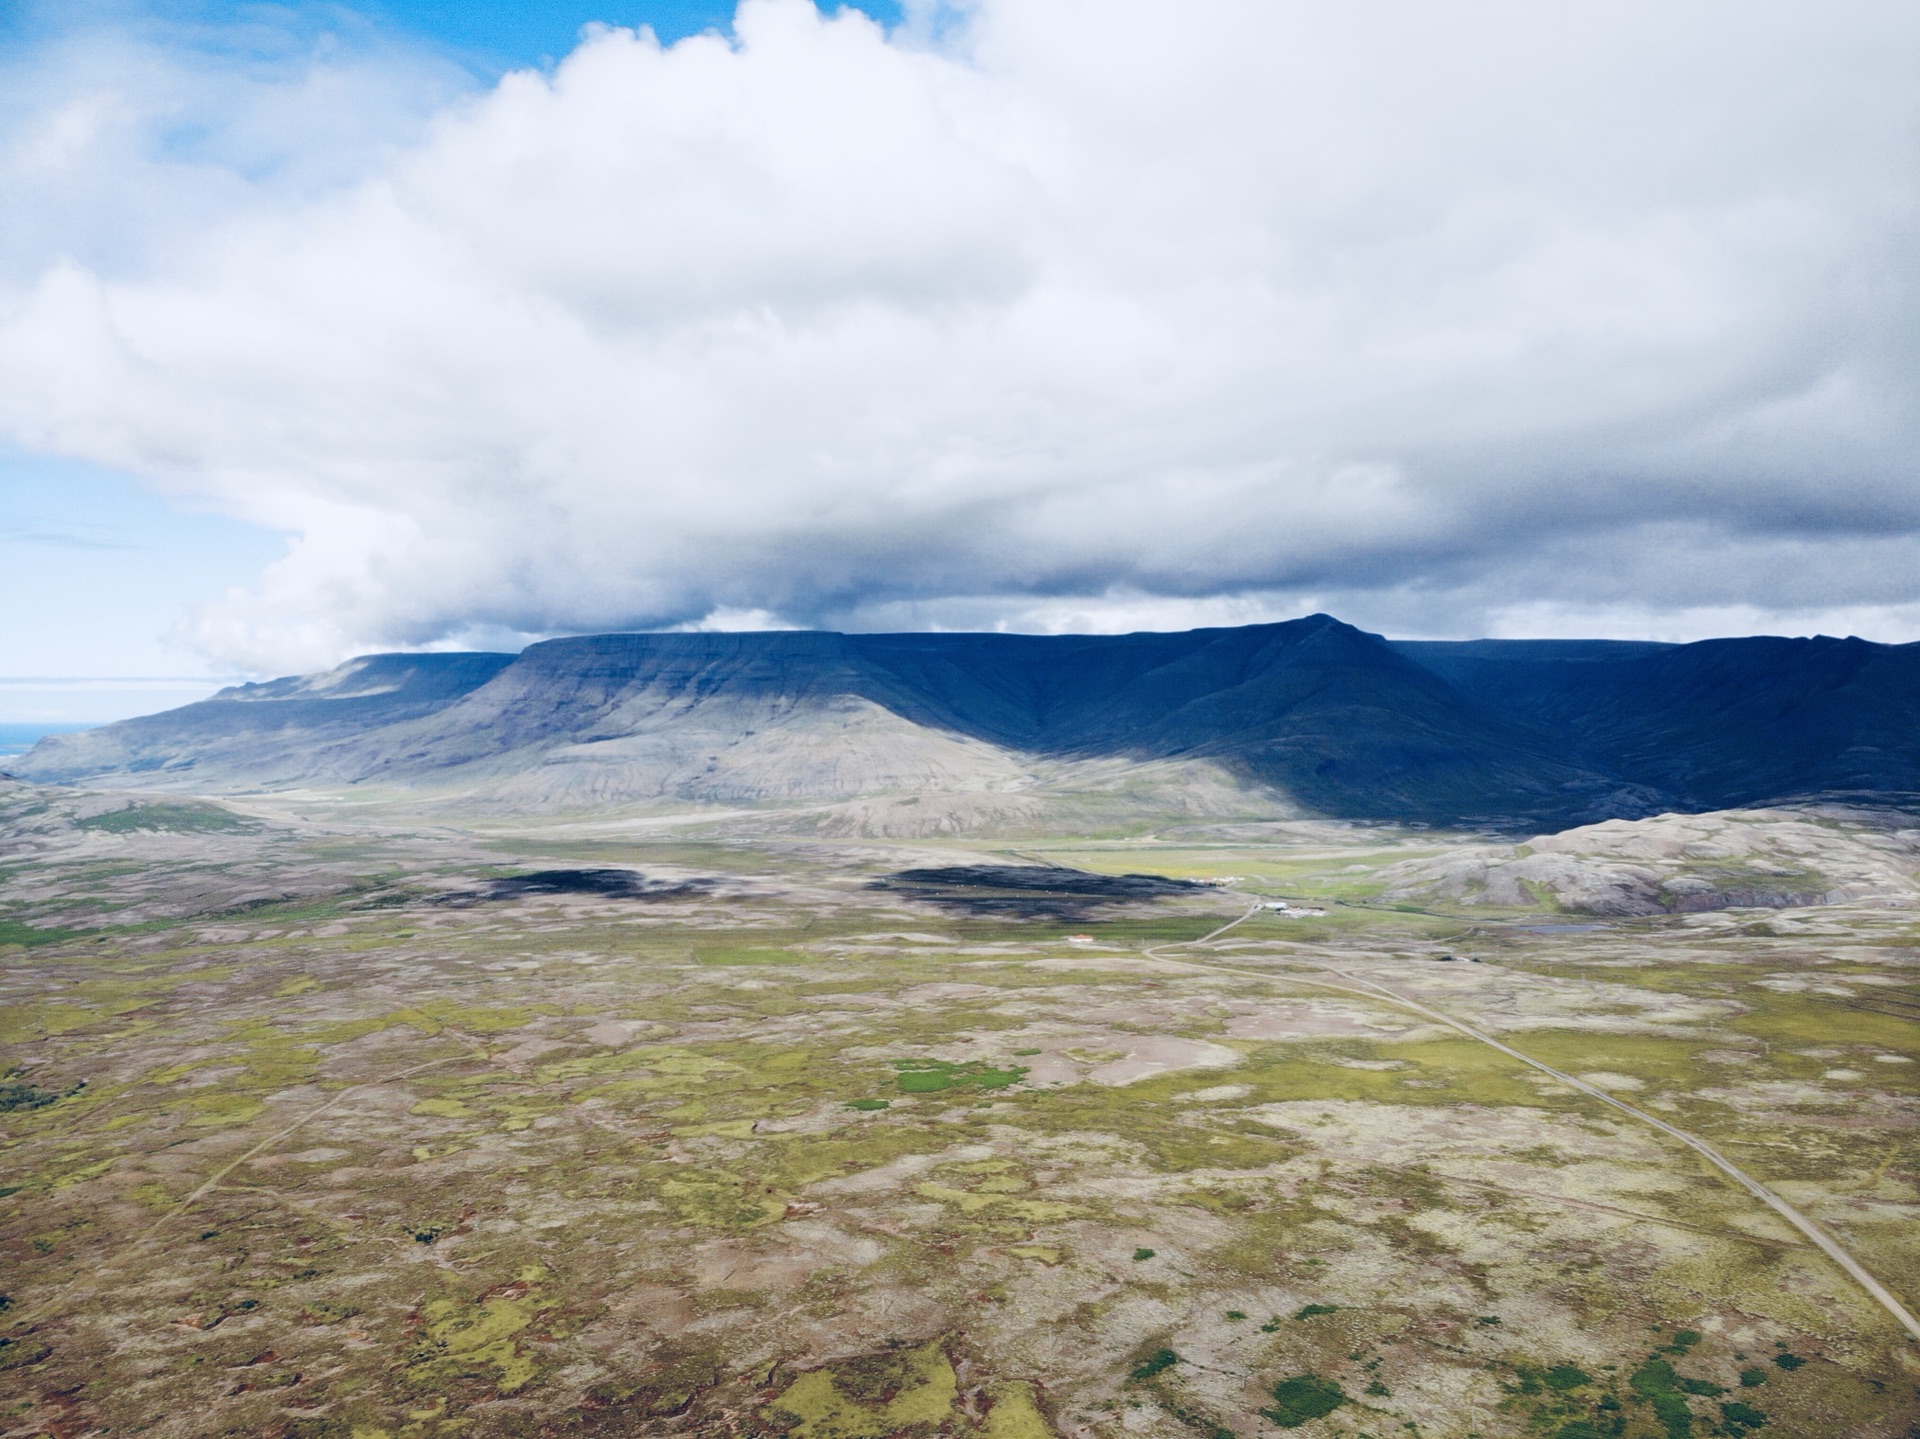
(1036, 312)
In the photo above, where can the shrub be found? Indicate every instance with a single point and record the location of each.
(17, 1094)
(1155, 1363)
(1656, 1382)
(1303, 1397)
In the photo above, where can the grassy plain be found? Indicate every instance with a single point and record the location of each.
(307, 1135)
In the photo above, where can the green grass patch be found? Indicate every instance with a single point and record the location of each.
(1793, 1019)
(29, 936)
(730, 956)
(1443, 1071)
(1671, 1064)
(178, 818)
(931, 1076)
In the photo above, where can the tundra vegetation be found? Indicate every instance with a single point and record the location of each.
(321, 1119)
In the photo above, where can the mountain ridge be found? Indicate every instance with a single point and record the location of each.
(1339, 721)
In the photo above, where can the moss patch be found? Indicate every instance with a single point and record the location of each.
(1014, 1415)
(475, 1341)
(871, 1397)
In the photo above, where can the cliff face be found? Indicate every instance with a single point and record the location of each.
(1340, 721)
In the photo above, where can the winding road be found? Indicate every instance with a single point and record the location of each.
(1372, 989)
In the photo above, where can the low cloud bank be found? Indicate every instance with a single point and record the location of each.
(1038, 313)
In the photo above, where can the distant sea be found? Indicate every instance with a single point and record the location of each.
(17, 739)
(34, 706)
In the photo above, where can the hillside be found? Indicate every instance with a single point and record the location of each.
(1713, 725)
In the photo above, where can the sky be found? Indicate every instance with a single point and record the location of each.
(327, 328)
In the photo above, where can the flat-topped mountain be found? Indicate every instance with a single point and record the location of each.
(1312, 713)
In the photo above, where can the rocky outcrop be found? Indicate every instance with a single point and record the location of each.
(1678, 864)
